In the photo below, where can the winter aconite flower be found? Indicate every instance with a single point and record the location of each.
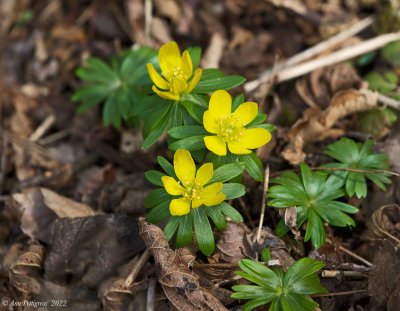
(176, 72)
(230, 128)
(191, 185)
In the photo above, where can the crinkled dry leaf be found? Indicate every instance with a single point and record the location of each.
(24, 272)
(316, 125)
(232, 243)
(384, 223)
(290, 216)
(40, 208)
(181, 286)
(268, 239)
(119, 297)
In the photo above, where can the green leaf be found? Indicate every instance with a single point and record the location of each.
(157, 130)
(155, 177)
(184, 236)
(379, 83)
(171, 226)
(253, 165)
(166, 166)
(233, 191)
(203, 232)
(237, 101)
(391, 52)
(195, 112)
(156, 197)
(195, 54)
(227, 172)
(281, 229)
(230, 212)
(214, 79)
(191, 143)
(358, 156)
(285, 291)
(216, 216)
(158, 213)
(180, 132)
(266, 255)
(314, 196)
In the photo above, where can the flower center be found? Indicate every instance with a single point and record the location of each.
(192, 190)
(230, 128)
(174, 73)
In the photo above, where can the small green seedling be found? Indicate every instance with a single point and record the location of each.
(119, 85)
(360, 157)
(285, 291)
(315, 196)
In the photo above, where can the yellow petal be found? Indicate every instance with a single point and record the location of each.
(179, 85)
(195, 80)
(197, 202)
(220, 103)
(169, 56)
(171, 185)
(212, 195)
(184, 166)
(204, 173)
(179, 207)
(246, 112)
(166, 95)
(209, 122)
(215, 144)
(256, 137)
(156, 78)
(187, 66)
(237, 147)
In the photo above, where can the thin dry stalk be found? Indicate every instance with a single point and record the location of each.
(136, 269)
(350, 253)
(311, 52)
(263, 204)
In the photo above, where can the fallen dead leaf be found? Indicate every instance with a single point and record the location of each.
(180, 285)
(384, 223)
(316, 125)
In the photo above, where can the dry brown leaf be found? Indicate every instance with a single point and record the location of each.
(384, 223)
(24, 272)
(168, 8)
(181, 286)
(231, 244)
(118, 296)
(316, 125)
(279, 251)
(290, 216)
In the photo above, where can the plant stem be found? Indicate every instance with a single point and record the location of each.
(351, 292)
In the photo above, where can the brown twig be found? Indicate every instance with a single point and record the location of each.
(228, 281)
(350, 253)
(386, 100)
(136, 269)
(216, 265)
(151, 295)
(351, 292)
(148, 8)
(335, 273)
(337, 169)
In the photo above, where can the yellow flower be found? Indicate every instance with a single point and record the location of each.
(230, 127)
(190, 185)
(176, 72)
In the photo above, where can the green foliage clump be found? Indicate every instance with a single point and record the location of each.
(285, 291)
(119, 85)
(315, 196)
(360, 157)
